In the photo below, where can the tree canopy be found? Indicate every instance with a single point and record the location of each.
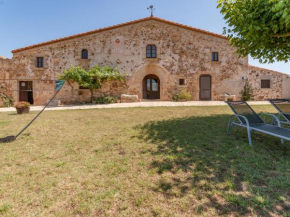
(93, 78)
(260, 28)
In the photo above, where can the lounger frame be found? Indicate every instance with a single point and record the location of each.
(236, 120)
(281, 114)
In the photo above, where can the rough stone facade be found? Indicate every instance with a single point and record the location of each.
(279, 84)
(182, 53)
(6, 85)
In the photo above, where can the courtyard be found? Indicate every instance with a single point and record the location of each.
(162, 161)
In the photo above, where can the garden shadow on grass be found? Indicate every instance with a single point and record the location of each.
(194, 156)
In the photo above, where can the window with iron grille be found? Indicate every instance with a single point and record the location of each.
(39, 62)
(265, 83)
(85, 54)
(215, 56)
(151, 51)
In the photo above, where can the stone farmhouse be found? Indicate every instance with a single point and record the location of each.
(160, 58)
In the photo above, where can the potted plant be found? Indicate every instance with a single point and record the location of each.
(22, 107)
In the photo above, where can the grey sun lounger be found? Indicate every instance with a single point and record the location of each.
(245, 116)
(283, 107)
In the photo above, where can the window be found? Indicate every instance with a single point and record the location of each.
(215, 56)
(151, 51)
(85, 54)
(266, 83)
(39, 62)
(181, 82)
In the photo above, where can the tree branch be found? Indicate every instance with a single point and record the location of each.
(281, 36)
(70, 84)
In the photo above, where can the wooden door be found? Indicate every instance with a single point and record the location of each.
(151, 87)
(26, 91)
(205, 87)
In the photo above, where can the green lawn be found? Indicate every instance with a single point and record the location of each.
(141, 162)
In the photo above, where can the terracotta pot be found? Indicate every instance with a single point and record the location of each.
(22, 110)
(118, 101)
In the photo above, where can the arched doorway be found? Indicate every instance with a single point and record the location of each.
(151, 87)
(205, 87)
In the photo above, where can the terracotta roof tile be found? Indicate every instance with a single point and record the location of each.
(117, 26)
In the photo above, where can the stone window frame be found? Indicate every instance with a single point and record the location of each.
(40, 62)
(85, 54)
(266, 77)
(213, 58)
(34, 61)
(150, 56)
(184, 80)
(263, 87)
(78, 53)
(144, 50)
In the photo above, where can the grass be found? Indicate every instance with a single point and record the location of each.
(141, 162)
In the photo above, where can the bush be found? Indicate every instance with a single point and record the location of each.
(247, 92)
(21, 105)
(7, 101)
(183, 94)
(107, 100)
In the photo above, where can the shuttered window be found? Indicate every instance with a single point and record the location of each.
(151, 51)
(215, 56)
(266, 83)
(39, 62)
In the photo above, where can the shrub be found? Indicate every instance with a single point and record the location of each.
(247, 92)
(21, 105)
(107, 100)
(7, 101)
(92, 79)
(183, 94)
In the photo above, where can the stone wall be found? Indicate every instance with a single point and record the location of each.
(286, 87)
(181, 54)
(279, 83)
(6, 69)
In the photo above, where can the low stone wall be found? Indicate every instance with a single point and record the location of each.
(72, 94)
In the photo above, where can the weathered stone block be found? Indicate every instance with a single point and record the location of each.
(125, 98)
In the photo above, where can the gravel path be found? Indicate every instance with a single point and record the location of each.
(134, 105)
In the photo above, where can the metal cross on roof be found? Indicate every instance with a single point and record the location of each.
(151, 7)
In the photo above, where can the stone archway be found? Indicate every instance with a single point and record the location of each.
(151, 87)
(136, 81)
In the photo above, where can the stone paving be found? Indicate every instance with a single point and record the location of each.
(134, 105)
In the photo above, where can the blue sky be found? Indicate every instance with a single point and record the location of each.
(27, 22)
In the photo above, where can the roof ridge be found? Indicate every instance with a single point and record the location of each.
(251, 66)
(117, 26)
